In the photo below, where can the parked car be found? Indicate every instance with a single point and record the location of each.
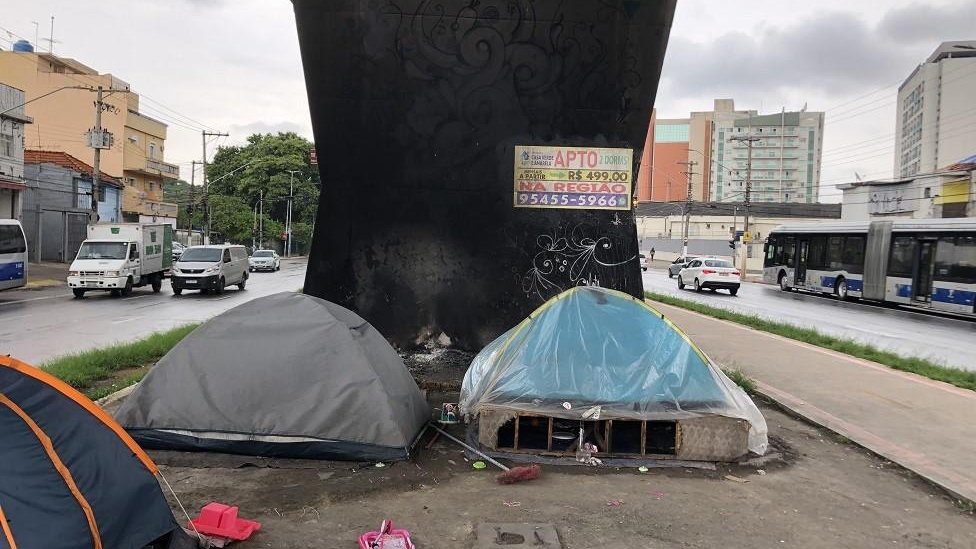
(712, 273)
(210, 268)
(177, 251)
(643, 262)
(679, 264)
(264, 260)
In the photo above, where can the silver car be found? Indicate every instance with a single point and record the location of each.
(264, 260)
(679, 264)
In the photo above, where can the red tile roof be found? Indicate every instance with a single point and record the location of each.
(65, 160)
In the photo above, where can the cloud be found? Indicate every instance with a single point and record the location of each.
(923, 23)
(831, 53)
(239, 132)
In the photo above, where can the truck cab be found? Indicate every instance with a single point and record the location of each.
(120, 257)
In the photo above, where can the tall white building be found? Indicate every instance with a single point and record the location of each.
(786, 154)
(936, 120)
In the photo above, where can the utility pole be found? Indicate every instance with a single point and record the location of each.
(98, 150)
(687, 213)
(206, 197)
(254, 229)
(749, 140)
(291, 196)
(261, 223)
(98, 139)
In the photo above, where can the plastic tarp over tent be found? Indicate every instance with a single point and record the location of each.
(592, 347)
(286, 375)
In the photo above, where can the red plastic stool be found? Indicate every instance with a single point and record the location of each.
(217, 519)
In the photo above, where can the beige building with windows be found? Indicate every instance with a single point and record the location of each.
(935, 125)
(62, 119)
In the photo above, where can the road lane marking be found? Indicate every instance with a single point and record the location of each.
(2, 303)
(127, 319)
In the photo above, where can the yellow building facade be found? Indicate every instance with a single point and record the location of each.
(62, 119)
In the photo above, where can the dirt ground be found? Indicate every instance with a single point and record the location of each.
(820, 492)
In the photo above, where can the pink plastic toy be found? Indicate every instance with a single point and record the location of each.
(387, 537)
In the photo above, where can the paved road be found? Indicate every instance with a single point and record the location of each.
(944, 340)
(41, 324)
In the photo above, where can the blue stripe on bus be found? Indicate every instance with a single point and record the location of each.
(853, 284)
(953, 296)
(12, 271)
(903, 290)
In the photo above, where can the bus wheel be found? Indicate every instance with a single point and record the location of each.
(79, 293)
(841, 289)
(784, 284)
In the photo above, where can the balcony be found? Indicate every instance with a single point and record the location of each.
(162, 209)
(165, 169)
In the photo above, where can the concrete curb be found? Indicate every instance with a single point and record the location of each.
(958, 487)
(111, 399)
(42, 283)
(905, 458)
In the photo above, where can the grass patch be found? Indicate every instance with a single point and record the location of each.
(740, 379)
(916, 365)
(84, 369)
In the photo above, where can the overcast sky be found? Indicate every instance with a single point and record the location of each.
(234, 65)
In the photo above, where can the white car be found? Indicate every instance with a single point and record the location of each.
(264, 260)
(207, 268)
(713, 273)
(643, 262)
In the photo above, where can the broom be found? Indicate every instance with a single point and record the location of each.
(509, 475)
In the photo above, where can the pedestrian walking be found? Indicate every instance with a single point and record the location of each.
(652, 253)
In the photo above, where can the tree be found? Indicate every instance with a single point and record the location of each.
(264, 164)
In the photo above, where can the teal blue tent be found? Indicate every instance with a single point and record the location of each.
(591, 348)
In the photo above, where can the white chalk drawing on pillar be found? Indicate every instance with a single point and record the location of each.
(565, 259)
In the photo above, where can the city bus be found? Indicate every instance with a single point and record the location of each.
(929, 263)
(13, 255)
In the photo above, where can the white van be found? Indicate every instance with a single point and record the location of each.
(210, 268)
(13, 255)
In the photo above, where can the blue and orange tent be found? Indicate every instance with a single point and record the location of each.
(70, 476)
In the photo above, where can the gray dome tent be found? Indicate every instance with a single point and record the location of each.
(287, 375)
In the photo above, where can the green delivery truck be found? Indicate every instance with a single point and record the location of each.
(117, 257)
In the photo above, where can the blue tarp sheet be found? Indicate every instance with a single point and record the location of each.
(592, 347)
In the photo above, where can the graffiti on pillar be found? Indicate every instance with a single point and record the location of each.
(567, 258)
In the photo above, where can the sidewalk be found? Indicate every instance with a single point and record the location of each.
(925, 426)
(42, 275)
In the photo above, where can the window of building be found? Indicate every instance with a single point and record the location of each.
(6, 145)
(151, 186)
(152, 150)
(671, 133)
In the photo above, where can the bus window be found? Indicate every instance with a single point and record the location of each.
(902, 258)
(835, 248)
(789, 249)
(853, 255)
(818, 249)
(955, 259)
(771, 245)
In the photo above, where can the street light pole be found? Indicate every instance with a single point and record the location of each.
(291, 195)
(687, 213)
(746, 237)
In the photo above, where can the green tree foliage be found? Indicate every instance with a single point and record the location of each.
(237, 176)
